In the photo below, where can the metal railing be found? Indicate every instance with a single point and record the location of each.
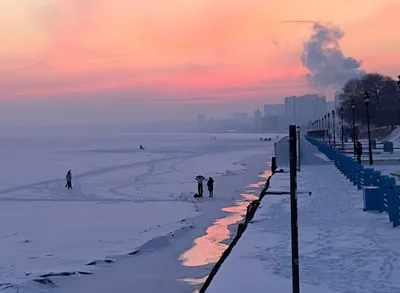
(387, 192)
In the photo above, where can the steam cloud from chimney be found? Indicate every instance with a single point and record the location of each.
(323, 57)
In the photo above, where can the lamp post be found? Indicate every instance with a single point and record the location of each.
(353, 107)
(342, 113)
(398, 100)
(329, 128)
(366, 101)
(325, 127)
(334, 128)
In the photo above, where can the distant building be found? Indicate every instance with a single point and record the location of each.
(337, 99)
(239, 116)
(330, 106)
(274, 109)
(258, 120)
(241, 121)
(303, 109)
(273, 117)
(290, 109)
(283, 123)
(272, 122)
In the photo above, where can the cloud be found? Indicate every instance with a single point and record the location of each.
(327, 65)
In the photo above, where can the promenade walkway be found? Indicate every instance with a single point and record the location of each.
(342, 248)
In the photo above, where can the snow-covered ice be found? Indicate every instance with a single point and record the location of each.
(342, 248)
(122, 197)
(42, 237)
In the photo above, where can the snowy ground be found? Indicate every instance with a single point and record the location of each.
(342, 248)
(394, 137)
(122, 197)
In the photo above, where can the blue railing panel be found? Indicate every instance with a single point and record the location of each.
(389, 192)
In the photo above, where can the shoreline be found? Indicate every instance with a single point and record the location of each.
(171, 272)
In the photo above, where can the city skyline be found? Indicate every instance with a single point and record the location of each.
(296, 110)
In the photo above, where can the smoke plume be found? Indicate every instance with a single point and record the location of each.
(323, 57)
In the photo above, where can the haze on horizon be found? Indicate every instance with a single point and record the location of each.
(121, 61)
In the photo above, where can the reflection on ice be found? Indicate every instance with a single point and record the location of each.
(195, 281)
(265, 175)
(259, 184)
(208, 249)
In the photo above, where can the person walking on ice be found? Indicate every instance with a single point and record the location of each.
(200, 180)
(69, 180)
(210, 185)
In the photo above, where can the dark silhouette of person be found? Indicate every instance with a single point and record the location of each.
(210, 185)
(69, 180)
(358, 150)
(141, 147)
(200, 180)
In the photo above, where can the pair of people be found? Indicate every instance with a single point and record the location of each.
(210, 185)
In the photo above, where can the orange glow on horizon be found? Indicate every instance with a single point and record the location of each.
(241, 49)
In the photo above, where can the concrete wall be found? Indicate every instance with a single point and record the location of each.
(282, 152)
(309, 155)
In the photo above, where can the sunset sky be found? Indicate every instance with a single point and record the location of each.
(130, 56)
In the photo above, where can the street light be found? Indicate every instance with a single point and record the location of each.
(398, 100)
(342, 113)
(324, 126)
(353, 106)
(334, 130)
(329, 128)
(366, 101)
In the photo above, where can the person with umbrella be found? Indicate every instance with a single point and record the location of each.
(200, 179)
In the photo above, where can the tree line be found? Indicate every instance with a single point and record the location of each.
(384, 100)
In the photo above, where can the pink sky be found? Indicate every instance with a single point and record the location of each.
(180, 51)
